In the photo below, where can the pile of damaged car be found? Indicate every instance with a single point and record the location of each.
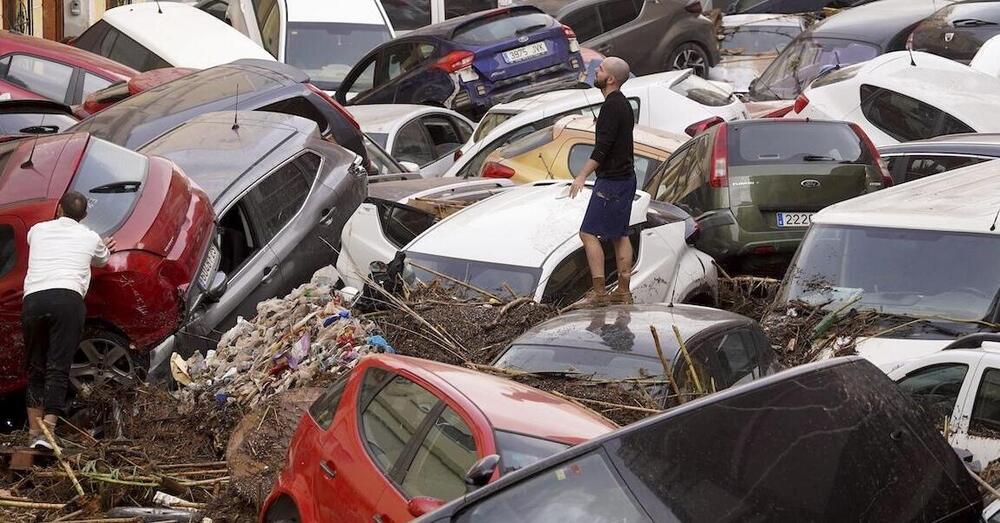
(295, 261)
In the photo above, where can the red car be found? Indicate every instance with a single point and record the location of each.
(35, 68)
(399, 436)
(119, 91)
(163, 225)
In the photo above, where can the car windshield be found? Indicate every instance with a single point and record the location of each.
(111, 178)
(781, 142)
(489, 122)
(802, 61)
(697, 89)
(908, 272)
(518, 451)
(601, 364)
(757, 39)
(497, 279)
(495, 28)
(328, 51)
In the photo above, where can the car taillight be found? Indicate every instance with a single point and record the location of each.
(574, 44)
(719, 177)
(694, 7)
(875, 156)
(457, 155)
(340, 108)
(455, 61)
(496, 170)
(800, 103)
(699, 127)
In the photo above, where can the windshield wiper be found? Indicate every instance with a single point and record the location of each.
(116, 188)
(530, 28)
(818, 158)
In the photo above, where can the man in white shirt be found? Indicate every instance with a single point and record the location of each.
(60, 253)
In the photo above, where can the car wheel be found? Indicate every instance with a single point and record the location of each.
(104, 358)
(283, 511)
(689, 56)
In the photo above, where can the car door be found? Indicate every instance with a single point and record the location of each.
(586, 23)
(13, 266)
(941, 384)
(446, 136)
(978, 428)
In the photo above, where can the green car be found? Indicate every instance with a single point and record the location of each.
(754, 185)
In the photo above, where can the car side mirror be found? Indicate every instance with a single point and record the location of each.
(421, 505)
(218, 287)
(481, 471)
(410, 167)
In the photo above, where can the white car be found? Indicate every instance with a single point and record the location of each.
(421, 137)
(923, 254)
(902, 96)
(324, 38)
(670, 101)
(166, 34)
(959, 388)
(749, 43)
(525, 242)
(987, 59)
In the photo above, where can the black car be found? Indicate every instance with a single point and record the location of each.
(910, 161)
(958, 30)
(615, 343)
(469, 63)
(848, 37)
(245, 85)
(830, 441)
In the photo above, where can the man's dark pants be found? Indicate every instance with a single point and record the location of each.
(52, 322)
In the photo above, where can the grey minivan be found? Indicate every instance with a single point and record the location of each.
(282, 194)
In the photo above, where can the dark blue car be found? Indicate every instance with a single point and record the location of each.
(469, 63)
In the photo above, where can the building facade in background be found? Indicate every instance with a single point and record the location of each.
(54, 19)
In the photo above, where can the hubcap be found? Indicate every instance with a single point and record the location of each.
(99, 362)
(690, 59)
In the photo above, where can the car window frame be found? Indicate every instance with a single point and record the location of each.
(870, 94)
(448, 120)
(443, 406)
(607, 3)
(594, 13)
(382, 205)
(418, 123)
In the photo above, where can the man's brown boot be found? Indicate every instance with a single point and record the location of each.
(598, 296)
(621, 295)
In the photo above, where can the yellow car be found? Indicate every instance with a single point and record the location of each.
(561, 150)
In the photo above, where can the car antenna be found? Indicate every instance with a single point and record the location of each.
(547, 170)
(909, 48)
(29, 164)
(586, 98)
(236, 109)
(158, 9)
(992, 227)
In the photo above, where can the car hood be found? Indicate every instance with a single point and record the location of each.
(886, 353)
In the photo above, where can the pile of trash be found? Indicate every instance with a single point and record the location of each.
(305, 339)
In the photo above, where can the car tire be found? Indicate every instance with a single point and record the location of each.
(689, 55)
(283, 511)
(104, 358)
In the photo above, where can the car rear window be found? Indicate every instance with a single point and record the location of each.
(518, 451)
(699, 90)
(794, 142)
(501, 27)
(111, 178)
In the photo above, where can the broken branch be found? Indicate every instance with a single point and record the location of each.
(58, 452)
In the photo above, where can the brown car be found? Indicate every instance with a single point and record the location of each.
(651, 35)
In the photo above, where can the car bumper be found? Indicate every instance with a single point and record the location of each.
(480, 96)
(159, 361)
(723, 238)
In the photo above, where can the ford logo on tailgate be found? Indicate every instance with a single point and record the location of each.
(809, 184)
(522, 39)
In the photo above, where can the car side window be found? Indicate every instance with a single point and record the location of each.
(413, 145)
(401, 224)
(616, 13)
(443, 134)
(584, 22)
(404, 57)
(280, 195)
(736, 358)
(474, 165)
(131, 53)
(324, 408)
(904, 118)
(91, 39)
(671, 179)
(93, 83)
(8, 249)
(918, 167)
(986, 409)
(392, 417)
(464, 130)
(268, 21)
(936, 387)
(365, 80)
(45, 77)
(445, 455)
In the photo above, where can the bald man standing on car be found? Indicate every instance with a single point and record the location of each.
(610, 205)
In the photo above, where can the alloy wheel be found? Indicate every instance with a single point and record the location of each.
(690, 57)
(100, 361)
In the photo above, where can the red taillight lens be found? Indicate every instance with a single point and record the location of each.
(568, 31)
(873, 152)
(340, 108)
(699, 127)
(455, 61)
(719, 176)
(694, 7)
(800, 103)
(496, 170)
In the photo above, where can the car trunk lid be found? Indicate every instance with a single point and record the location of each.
(800, 187)
(513, 42)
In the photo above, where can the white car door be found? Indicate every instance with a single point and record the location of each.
(362, 242)
(656, 267)
(978, 429)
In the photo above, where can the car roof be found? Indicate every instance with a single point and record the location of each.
(649, 136)
(987, 144)
(512, 406)
(962, 200)
(95, 63)
(541, 214)
(383, 118)
(403, 190)
(764, 20)
(175, 23)
(876, 22)
(570, 329)
(339, 11)
(216, 156)
(447, 28)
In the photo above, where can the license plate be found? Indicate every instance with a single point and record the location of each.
(208, 268)
(794, 219)
(523, 53)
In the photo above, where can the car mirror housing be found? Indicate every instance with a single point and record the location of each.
(481, 471)
(218, 287)
(421, 505)
(410, 167)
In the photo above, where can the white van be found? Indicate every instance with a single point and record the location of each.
(166, 34)
(324, 38)
(924, 254)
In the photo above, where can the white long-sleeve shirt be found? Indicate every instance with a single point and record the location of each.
(60, 253)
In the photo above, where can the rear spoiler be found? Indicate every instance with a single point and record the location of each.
(496, 12)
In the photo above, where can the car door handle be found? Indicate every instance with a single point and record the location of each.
(328, 469)
(269, 273)
(326, 217)
(377, 518)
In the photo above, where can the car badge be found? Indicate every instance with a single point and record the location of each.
(809, 184)
(522, 39)
(949, 37)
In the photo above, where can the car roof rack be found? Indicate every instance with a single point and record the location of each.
(973, 341)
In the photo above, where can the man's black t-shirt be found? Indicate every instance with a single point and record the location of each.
(613, 149)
